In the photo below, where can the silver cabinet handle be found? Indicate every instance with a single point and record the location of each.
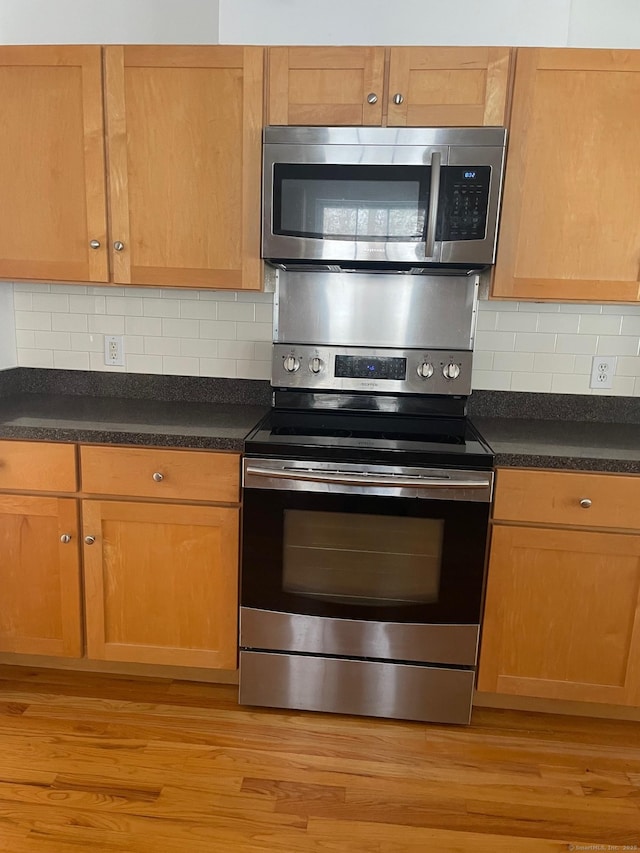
(434, 197)
(585, 503)
(95, 244)
(65, 538)
(372, 98)
(118, 246)
(398, 98)
(158, 477)
(89, 540)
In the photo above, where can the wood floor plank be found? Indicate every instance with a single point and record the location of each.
(128, 765)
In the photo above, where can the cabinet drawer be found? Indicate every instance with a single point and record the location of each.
(35, 466)
(552, 497)
(173, 474)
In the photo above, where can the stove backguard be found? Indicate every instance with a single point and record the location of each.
(381, 333)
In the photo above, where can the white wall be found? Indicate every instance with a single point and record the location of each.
(8, 356)
(550, 23)
(113, 22)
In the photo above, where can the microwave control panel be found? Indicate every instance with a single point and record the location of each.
(464, 199)
(375, 370)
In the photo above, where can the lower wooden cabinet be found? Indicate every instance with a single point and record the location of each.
(562, 614)
(153, 576)
(161, 583)
(40, 609)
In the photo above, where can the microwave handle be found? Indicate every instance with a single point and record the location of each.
(434, 197)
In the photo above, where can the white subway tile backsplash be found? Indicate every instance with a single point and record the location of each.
(535, 342)
(180, 365)
(525, 346)
(162, 346)
(600, 324)
(218, 367)
(514, 321)
(617, 345)
(35, 357)
(53, 340)
(69, 323)
(144, 363)
(71, 360)
(180, 328)
(555, 323)
(130, 306)
(106, 324)
(50, 302)
(218, 330)
(496, 341)
(245, 311)
(516, 361)
(161, 307)
(33, 320)
(531, 381)
(199, 347)
(577, 344)
(255, 331)
(200, 310)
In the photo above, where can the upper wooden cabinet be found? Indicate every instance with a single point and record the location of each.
(184, 131)
(182, 178)
(417, 86)
(572, 189)
(52, 164)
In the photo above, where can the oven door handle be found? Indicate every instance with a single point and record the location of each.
(358, 478)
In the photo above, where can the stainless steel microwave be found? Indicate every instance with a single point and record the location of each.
(384, 195)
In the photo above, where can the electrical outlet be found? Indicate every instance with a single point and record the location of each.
(603, 368)
(114, 350)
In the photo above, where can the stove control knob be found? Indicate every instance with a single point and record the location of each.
(425, 370)
(451, 371)
(291, 363)
(315, 365)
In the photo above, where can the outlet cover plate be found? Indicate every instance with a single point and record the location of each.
(603, 368)
(114, 350)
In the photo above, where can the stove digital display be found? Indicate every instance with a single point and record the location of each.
(367, 367)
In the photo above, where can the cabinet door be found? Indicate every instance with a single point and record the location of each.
(39, 576)
(571, 204)
(184, 141)
(326, 85)
(52, 164)
(562, 616)
(448, 86)
(161, 583)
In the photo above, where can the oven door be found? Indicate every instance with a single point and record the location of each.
(370, 561)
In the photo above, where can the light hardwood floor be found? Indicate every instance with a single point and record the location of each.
(96, 762)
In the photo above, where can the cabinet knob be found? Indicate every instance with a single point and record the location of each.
(66, 537)
(95, 244)
(585, 503)
(398, 98)
(158, 477)
(118, 246)
(89, 540)
(372, 98)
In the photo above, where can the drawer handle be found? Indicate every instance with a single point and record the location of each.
(89, 540)
(158, 477)
(65, 538)
(585, 503)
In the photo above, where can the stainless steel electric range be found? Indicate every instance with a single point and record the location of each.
(366, 501)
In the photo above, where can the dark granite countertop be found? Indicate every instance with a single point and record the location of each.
(519, 442)
(128, 409)
(571, 431)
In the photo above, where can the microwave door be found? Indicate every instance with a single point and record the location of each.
(355, 211)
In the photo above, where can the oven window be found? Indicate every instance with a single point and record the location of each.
(355, 203)
(360, 559)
